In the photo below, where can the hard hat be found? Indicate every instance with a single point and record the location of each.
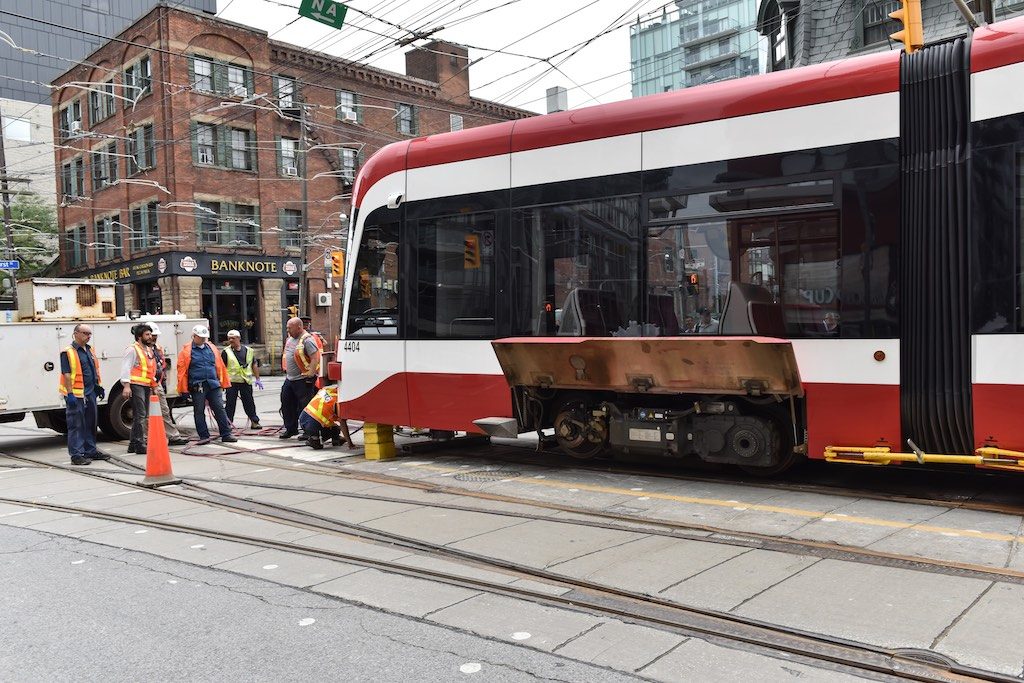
(154, 328)
(234, 333)
(201, 331)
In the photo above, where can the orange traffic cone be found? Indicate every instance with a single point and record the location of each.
(158, 458)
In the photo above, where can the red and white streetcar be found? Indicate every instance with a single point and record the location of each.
(821, 262)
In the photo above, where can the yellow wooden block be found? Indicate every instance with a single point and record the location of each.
(374, 428)
(378, 438)
(380, 451)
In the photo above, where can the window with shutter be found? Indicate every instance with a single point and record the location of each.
(203, 70)
(206, 144)
(290, 224)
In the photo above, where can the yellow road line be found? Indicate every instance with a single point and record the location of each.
(744, 507)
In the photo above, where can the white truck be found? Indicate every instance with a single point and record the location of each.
(30, 351)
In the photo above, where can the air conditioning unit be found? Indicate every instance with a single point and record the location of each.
(323, 299)
(239, 91)
(350, 117)
(76, 127)
(291, 171)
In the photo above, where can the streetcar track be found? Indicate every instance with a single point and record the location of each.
(605, 600)
(290, 516)
(615, 521)
(734, 479)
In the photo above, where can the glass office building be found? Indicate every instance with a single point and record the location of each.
(699, 41)
(64, 28)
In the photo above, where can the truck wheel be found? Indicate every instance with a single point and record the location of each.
(116, 417)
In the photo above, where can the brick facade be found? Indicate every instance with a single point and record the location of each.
(197, 268)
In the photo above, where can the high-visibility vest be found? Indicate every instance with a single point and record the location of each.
(236, 371)
(143, 372)
(300, 352)
(322, 407)
(185, 360)
(77, 379)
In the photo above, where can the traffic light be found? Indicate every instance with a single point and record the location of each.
(692, 284)
(338, 264)
(912, 33)
(471, 255)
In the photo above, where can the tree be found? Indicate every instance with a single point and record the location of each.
(34, 225)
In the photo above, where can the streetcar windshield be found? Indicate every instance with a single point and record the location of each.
(373, 303)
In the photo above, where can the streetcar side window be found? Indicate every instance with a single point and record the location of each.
(574, 268)
(456, 274)
(373, 307)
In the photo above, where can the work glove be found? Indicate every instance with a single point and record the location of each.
(259, 385)
(101, 393)
(71, 400)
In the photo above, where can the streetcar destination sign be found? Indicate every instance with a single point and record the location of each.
(325, 11)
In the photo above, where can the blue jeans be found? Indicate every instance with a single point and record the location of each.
(81, 419)
(215, 397)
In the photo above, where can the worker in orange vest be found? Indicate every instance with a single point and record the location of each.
(300, 360)
(80, 386)
(201, 372)
(320, 419)
(138, 379)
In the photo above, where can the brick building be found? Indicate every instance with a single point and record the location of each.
(203, 163)
(806, 32)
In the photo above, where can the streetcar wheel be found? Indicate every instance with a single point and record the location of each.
(784, 456)
(116, 417)
(577, 432)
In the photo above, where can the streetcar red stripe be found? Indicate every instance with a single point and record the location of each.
(997, 45)
(997, 419)
(852, 415)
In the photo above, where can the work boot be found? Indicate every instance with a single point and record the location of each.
(80, 460)
(315, 443)
(286, 435)
(227, 438)
(336, 440)
(98, 455)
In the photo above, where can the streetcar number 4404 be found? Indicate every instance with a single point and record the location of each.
(351, 346)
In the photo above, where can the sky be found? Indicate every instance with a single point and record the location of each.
(534, 29)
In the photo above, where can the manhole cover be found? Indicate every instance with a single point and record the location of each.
(486, 475)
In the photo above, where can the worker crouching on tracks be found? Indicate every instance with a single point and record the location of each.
(138, 377)
(201, 372)
(80, 386)
(174, 437)
(320, 419)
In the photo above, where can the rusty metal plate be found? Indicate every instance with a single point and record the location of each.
(658, 365)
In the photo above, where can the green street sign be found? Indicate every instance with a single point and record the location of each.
(325, 11)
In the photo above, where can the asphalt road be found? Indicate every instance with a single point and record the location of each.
(77, 611)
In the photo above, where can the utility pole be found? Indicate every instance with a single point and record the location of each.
(304, 228)
(6, 198)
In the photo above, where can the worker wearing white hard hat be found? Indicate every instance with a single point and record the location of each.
(202, 374)
(174, 437)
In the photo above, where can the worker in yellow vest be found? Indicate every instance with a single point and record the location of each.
(244, 371)
(300, 360)
(80, 386)
(138, 379)
(320, 419)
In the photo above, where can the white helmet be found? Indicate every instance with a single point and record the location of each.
(154, 328)
(201, 331)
